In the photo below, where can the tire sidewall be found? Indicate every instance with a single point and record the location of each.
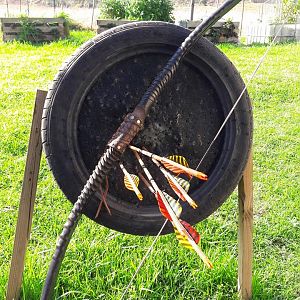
(69, 89)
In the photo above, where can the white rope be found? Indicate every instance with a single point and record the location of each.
(209, 147)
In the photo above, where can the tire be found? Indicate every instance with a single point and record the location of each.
(105, 79)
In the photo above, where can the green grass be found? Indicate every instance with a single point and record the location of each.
(100, 262)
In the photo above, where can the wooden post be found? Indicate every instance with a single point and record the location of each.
(245, 231)
(7, 10)
(27, 200)
(192, 10)
(242, 17)
(28, 8)
(93, 12)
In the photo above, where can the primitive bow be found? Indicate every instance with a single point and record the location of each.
(132, 124)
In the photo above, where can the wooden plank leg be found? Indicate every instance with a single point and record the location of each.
(27, 199)
(245, 231)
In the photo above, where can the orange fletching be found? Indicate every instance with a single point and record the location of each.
(175, 169)
(176, 190)
(178, 165)
(180, 191)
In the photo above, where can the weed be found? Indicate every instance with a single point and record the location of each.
(69, 23)
(28, 32)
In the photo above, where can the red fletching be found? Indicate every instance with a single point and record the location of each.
(191, 230)
(162, 207)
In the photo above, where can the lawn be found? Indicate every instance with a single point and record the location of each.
(100, 262)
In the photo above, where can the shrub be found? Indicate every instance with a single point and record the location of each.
(143, 10)
(148, 10)
(290, 11)
(28, 30)
(113, 9)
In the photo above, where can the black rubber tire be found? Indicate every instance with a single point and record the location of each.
(68, 91)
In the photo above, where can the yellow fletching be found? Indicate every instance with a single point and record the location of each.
(183, 240)
(192, 245)
(179, 159)
(183, 183)
(128, 184)
(180, 187)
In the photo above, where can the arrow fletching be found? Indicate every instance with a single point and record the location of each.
(178, 165)
(190, 240)
(179, 159)
(175, 169)
(162, 207)
(192, 232)
(131, 182)
(170, 164)
(175, 205)
(185, 232)
(128, 184)
(169, 210)
(176, 185)
(183, 183)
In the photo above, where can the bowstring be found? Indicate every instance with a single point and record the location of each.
(143, 259)
(240, 96)
(262, 59)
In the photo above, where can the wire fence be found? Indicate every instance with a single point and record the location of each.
(255, 17)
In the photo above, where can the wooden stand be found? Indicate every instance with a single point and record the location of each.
(23, 228)
(27, 200)
(245, 191)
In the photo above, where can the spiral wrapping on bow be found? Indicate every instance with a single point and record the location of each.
(95, 180)
(131, 125)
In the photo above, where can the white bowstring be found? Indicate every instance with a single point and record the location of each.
(240, 96)
(204, 155)
(143, 259)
